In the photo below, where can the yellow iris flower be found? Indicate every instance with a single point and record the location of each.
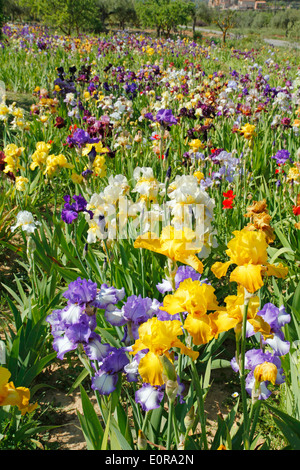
(12, 158)
(158, 337)
(196, 299)
(10, 395)
(206, 319)
(248, 131)
(232, 317)
(98, 146)
(267, 371)
(178, 245)
(248, 250)
(192, 297)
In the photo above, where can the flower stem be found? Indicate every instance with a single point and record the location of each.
(243, 376)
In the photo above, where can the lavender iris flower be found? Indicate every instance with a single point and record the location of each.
(183, 272)
(106, 377)
(149, 397)
(81, 291)
(133, 313)
(277, 318)
(253, 358)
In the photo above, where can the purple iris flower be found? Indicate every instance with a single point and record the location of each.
(81, 291)
(75, 323)
(71, 210)
(149, 397)
(282, 156)
(276, 318)
(166, 117)
(183, 272)
(138, 309)
(104, 383)
(80, 138)
(149, 116)
(115, 361)
(108, 295)
(74, 334)
(134, 312)
(95, 350)
(106, 378)
(253, 358)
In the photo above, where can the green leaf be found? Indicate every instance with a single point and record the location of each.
(289, 426)
(90, 423)
(83, 374)
(106, 434)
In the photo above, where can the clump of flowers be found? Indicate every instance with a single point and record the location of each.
(12, 158)
(248, 131)
(39, 157)
(54, 163)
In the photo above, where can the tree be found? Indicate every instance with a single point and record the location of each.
(225, 20)
(1, 17)
(68, 15)
(286, 20)
(123, 12)
(163, 15)
(200, 12)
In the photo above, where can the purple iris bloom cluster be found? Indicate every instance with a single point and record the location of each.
(276, 317)
(71, 210)
(229, 166)
(74, 326)
(80, 138)
(164, 116)
(282, 156)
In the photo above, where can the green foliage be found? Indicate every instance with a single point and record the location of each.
(20, 432)
(164, 15)
(70, 16)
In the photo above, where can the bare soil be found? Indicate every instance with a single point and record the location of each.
(68, 435)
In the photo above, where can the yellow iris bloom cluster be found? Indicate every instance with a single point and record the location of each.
(49, 164)
(159, 337)
(205, 319)
(12, 158)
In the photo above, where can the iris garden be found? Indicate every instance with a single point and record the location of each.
(150, 195)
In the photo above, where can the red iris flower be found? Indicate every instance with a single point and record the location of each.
(296, 210)
(228, 201)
